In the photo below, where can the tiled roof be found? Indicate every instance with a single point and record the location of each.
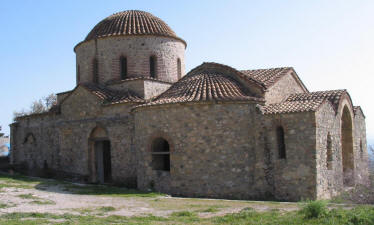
(131, 22)
(303, 102)
(333, 96)
(207, 82)
(112, 96)
(290, 107)
(267, 76)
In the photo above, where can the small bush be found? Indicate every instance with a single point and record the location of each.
(314, 209)
(183, 214)
(107, 209)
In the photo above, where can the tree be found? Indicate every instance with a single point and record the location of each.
(38, 106)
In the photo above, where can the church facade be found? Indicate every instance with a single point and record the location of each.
(136, 118)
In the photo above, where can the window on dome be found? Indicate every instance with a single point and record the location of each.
(152, 66)
(179, 68)
(123, 63)
(95, 71)
(78, 74)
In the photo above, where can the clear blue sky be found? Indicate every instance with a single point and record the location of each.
(329, 43)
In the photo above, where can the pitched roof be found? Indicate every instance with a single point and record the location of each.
(207, 82)
(112, 96)
(332, 95)
(291, 107)
(267, 76)
(304, 102)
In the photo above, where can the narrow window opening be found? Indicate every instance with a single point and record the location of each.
(329, 152)
(123, 62)
(361, 150)
(281, 143)
(160, 155)
(179, 68)
(78, 74)
(152, 66)
(95, 71)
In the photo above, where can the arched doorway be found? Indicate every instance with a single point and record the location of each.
(160, 154)
(100, 156)
(347, 147)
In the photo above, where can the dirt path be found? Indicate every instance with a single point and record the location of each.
(55, 198)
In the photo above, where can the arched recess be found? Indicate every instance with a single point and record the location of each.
(160, 149)
(100, 165)
(347, 147)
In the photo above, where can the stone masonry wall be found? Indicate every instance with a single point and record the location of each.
(293, 178)
(137, 50)
(63, 140)
(361, 153)
(282, 88)
(213, 150)
(329, 179)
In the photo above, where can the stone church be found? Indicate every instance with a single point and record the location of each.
(136, 118)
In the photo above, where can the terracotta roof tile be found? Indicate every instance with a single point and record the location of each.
(131, 22)
(208, 82)
(304, 102)
(112, 96)
(267, 76)
(290, 107)
(332, 95)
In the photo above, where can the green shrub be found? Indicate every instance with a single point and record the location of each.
(314, 209)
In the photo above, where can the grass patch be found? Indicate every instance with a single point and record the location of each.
(184, 214)
(107, 209)
(3, 206)
(28, 196)
(108, 191)
(43, 202)
(359, 216)
(211, 209)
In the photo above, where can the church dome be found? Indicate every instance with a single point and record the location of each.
(131, 22)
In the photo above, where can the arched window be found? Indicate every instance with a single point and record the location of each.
(281, 143)
(152, 66)
(179, 68)
(95, 71)
(361, 150)
(29, 139)
(160, 154)
(123, 63)
(78, 74)
(329, 152)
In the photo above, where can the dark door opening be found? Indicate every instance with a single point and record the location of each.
(103, 161)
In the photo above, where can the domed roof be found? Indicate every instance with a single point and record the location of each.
(207, 82)
(131, 22)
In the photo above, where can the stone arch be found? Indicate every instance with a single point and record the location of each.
(29, 139)
(160, 149)
(99, 155)
(347, 146)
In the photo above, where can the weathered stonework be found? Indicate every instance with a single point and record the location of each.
(216, 132)
(137, 50)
